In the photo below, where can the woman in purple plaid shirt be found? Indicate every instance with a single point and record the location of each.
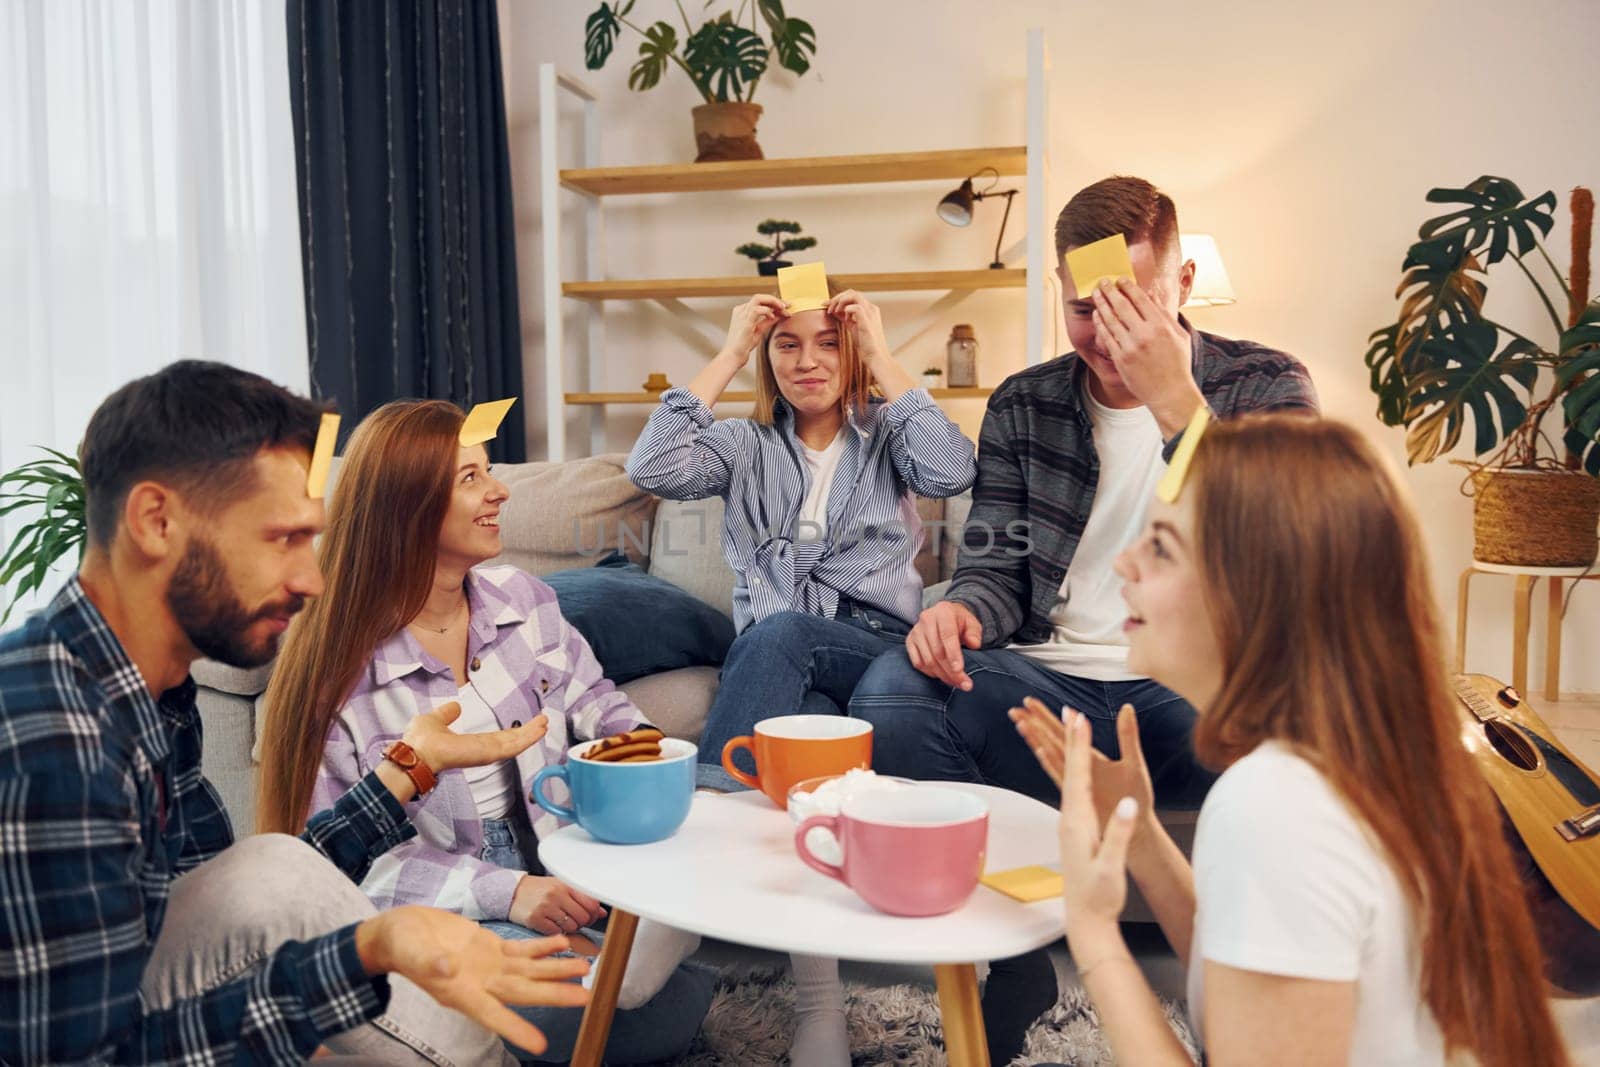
(412, 621)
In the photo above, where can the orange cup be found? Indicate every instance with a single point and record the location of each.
(791, 748)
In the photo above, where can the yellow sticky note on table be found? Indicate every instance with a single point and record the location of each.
(1105, 258)
(322, 456)
(1026, 884)
(483, 422)
(804, 288)
(1171, 483)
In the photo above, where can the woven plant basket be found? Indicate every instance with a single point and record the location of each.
(1535, 518)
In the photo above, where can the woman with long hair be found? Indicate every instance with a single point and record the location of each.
(1351, 898)
(820, 528)
(412, 622)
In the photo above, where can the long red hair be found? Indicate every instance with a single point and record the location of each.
(1317, 584)
(377, 557)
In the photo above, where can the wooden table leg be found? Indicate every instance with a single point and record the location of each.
(1461, 618)
(1552, 642)
(596, 1025)
(1521, 615)
(964, 1040)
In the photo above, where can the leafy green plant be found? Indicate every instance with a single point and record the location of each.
(55, 486)
(782, 242)
(724, 58)
(1443, 362)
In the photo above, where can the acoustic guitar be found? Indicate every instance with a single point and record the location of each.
(1552, 799)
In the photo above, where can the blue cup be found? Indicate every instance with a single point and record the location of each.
(624, 803)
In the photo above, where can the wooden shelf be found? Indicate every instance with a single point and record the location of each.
(780, 173)
(749, 285)
(735, 397)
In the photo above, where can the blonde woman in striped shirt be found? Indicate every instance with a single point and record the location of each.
(820, 528)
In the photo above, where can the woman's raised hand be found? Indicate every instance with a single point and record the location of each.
(1094, 864)
(442, 749)
(1110, 779)
(866, 319)
(750, 320)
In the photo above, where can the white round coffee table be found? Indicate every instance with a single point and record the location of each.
(731, 872)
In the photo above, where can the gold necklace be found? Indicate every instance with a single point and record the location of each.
(447, 628)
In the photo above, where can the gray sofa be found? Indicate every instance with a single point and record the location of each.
(568, 515)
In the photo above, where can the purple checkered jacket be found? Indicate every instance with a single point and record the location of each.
(523, 658)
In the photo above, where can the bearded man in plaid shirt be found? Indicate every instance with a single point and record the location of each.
(132, 928)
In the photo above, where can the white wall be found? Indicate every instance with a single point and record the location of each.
(1302, 137)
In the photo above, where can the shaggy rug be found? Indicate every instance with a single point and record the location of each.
(751, 1020)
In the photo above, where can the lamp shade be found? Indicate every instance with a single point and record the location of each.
(956, 207)
(1211, 285)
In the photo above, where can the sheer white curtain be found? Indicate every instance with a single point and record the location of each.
(147, 203)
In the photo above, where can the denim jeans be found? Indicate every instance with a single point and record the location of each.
(923, 728)
(791, 663)
(660, 1029)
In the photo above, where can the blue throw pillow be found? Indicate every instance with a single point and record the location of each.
(638, 624)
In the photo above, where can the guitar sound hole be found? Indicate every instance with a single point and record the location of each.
(1512, 746)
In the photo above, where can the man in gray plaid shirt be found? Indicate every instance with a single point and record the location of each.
(132, 928)
(1068, 460)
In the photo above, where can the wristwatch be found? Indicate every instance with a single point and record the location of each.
(405, 757)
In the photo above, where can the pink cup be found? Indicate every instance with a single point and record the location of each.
(916, 851)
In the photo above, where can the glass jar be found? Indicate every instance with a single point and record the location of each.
(962, 357)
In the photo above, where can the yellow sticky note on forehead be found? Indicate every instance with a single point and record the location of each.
(1106, 258)
(483, 422)
(322, 456)
(1171, 483)
(803, 288)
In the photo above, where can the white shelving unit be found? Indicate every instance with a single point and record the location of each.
(595, 287)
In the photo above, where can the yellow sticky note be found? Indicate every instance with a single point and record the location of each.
(483, 422)
(1106, 258)
(322, 456)
(1026, 884)
(1171, 483)
(804, 288)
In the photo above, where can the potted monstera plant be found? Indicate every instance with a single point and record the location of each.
(724, 58)
(1532, 399)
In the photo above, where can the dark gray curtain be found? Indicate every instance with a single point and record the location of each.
(406, 219)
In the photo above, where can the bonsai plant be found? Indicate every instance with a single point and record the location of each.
(769, 258)
(724, 58)
(54, 486)
(1443, 363)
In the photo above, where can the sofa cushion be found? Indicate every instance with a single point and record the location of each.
(677, 701)
(237, 681)
(686, 550)
(637, 623)
(564, 515)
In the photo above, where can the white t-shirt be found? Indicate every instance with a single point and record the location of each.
(1289, 881)
(494, 786)
(813, 524)
(1088, 641)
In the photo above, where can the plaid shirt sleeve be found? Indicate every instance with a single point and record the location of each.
(74, 942)
(991, 578)
(362, 825)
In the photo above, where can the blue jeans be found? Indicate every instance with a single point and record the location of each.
(660, 1029)
(925, 729)
(793, 662)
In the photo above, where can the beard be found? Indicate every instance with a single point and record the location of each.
(211, 615)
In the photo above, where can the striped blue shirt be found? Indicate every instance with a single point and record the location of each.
(873, 533)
